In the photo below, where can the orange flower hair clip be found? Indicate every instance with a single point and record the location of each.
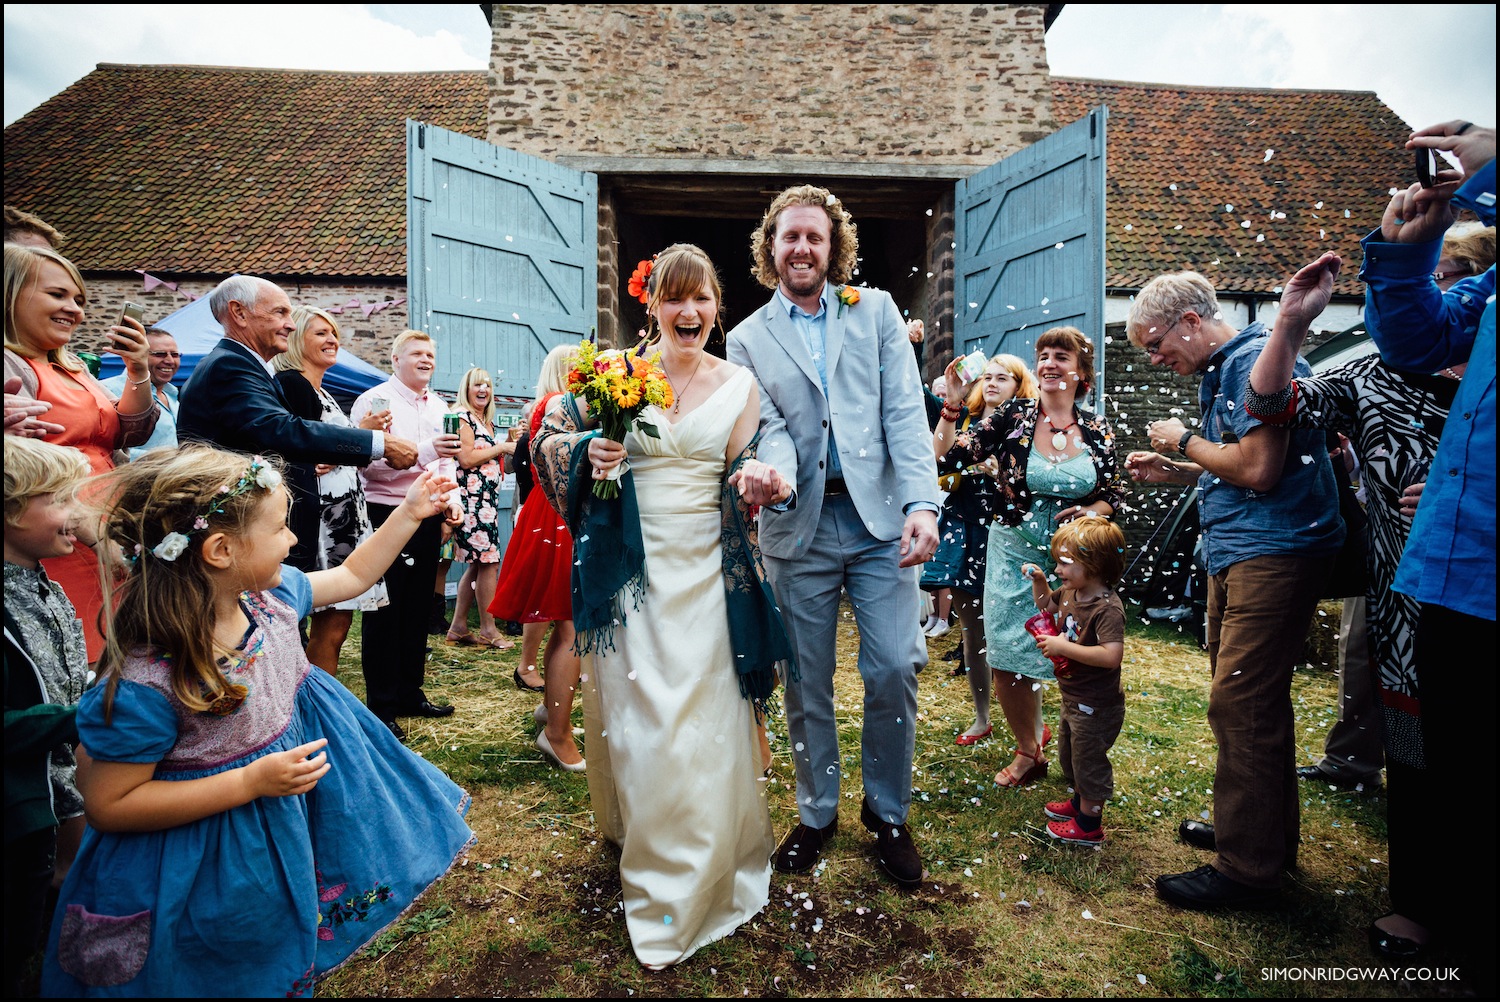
(639, 285)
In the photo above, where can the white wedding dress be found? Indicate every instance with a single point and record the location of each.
(673, 754)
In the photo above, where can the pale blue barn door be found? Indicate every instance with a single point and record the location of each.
(502, 256)
(1030, 235)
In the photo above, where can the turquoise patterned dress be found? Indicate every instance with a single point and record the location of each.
(1008, 602)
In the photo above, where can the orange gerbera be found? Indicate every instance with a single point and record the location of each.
(639, 281)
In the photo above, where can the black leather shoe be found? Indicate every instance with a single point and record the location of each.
(1313, 774)
(1388, 944)
(1206, 888)
(426, 709)
(798, 852)
(1198, 834)
(396, 729)
(894, 848)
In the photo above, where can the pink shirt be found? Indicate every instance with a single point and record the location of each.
(416, 417)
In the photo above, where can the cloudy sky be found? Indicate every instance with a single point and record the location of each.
(1430, 63)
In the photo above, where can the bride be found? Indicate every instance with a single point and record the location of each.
(682, 662)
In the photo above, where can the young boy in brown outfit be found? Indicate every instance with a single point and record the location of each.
(1091, 635)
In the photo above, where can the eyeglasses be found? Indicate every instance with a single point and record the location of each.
(165, 354)
(1154, 348)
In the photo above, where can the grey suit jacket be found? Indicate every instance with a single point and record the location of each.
(874, 406)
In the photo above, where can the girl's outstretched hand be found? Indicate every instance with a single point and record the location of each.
(428, 496)
(288, 773)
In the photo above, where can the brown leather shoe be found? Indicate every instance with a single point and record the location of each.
(894, 848)
(798, 852)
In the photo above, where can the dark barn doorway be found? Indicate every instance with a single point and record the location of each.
(718, 213)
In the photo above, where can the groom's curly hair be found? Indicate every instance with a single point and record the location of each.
(843, 240)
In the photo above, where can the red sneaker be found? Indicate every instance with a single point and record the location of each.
(1068, 831)
(1061, 810)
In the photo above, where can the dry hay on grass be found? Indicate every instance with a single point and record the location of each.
(536, 908)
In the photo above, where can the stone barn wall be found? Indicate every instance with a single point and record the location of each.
(949, 83)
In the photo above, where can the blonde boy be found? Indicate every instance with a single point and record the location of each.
(46, 669)
(1090, 555)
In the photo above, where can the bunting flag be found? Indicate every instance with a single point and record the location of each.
(150, 282)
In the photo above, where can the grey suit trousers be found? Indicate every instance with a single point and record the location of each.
(842, 555)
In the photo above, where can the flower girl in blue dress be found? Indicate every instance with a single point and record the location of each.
(251, 824)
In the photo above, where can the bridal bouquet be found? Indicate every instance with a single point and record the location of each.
(617, 386)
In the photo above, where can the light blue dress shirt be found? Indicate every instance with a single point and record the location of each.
(165, 434)
(814, 330)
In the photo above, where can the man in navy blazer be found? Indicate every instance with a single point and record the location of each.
(842, 421)
(232, 402)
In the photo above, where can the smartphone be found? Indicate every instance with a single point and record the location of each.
(134, 311)
(1427, 167)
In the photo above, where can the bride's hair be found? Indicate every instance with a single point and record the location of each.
(680, 271)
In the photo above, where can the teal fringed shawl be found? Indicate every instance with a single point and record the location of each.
(609, 559)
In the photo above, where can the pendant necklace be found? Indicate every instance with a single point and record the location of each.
(1059, 440)
(677, 397)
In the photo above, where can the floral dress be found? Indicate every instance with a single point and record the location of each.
(345, 519)
(477, 537)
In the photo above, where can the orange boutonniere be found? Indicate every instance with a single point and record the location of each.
(848, 295)
(639, 284)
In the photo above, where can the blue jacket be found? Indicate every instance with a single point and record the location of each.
(1450, 556)
(232, 402)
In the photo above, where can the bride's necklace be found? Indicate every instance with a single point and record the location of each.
(676, 396)
(1059, 440)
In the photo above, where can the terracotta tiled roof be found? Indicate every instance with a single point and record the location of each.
(209, 169)
(298, 172)
(1310, 170)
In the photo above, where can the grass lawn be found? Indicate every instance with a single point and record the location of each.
(535, 909)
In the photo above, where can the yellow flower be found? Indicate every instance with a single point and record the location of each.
(626, 392)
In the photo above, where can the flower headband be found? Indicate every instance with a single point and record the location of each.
(258, 474)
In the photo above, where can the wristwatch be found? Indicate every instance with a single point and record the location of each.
(1182, 443)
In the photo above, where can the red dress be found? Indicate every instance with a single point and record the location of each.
(536, 578)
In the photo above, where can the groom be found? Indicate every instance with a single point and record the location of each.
(842, 422)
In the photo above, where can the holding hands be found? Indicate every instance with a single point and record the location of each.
(759, 483)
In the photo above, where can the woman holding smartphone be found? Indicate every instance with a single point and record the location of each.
(44, 300)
